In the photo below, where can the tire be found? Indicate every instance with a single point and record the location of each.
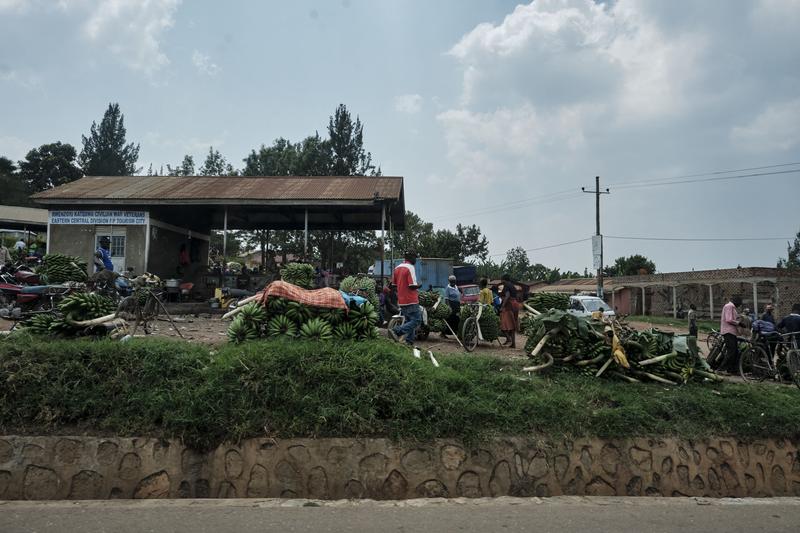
(716, 355)
(713, 338)
(754, 364)
(422, 332)
(394, 322)
(469, 334)
(793, 362)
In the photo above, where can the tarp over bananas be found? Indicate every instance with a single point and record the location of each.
(290, 319)
(560, 341)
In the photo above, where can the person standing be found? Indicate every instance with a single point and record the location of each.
(20, 245)
(768, 315)
(5, 254)
(791, 323)
(103, 256)
(404, 278)
(485, 296)
(691, 316)
(452, 296)
(509, 311)
(729, 327)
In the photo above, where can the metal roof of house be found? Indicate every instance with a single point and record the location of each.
(12, 215)
(222, 189)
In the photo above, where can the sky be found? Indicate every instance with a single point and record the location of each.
(495, 113)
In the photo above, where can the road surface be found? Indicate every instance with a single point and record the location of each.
(560, 514)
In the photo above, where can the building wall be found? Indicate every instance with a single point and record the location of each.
(79, 240)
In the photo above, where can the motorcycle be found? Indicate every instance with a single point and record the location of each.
(20, 274)
(18, 301)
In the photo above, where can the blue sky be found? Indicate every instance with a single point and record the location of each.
(485, 107)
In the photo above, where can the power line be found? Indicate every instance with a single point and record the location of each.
(699, 239)
(701, 174)
(548, 246)
(516, 204)
(699, 180)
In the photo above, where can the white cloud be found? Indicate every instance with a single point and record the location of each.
(13, 5)
(203, 64)
(13, 147)
(132, 30)
(408, 103)
(776, 128)
(24, 78)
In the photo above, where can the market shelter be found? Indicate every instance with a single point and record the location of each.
(153, 220)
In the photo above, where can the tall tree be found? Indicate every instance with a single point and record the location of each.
(473, 243)
(49, 166)
(14, 190)
(215, 165)
(631, 266)
(517, 263)
(105, 152)
(792, 261)
(347, 143)
(186, 168)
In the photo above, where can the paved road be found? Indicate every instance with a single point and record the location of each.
(562, 514)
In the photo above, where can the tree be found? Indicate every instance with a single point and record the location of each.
(418, 235)
(105, 152)
(186, 168)
(280, 159)
(347, 144)
(792, 261)
(215, 165)
(473, 243)
(631, 266)
(14, 190)
(516, 264)
(49, 166)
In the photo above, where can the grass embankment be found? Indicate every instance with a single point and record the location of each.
(702, 325)
(300, 389)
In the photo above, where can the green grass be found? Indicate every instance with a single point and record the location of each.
(301, 389)
(702, 325)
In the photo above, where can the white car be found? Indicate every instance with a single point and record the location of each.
(586, 305)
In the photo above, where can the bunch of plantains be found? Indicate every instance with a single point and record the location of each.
(544, 301)
(290, 319)
(437, 314)
(362, 286)
(300, 274)
(58, 268)
(561, 341)
(489, 321)
(76, 307)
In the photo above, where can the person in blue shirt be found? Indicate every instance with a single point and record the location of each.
(103, 256)
(452, 297)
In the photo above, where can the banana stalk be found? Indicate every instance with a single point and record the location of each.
(604, 367)
(658, 359)
(541, 367)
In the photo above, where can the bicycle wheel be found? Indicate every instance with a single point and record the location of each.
(793, 362)
(423, 332)
(716, 355)
(712, 340)
(394, 322)
(469, 334)
(754, 364)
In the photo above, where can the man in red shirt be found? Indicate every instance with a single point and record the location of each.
(405, 279)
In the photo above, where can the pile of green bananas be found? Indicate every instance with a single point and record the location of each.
(59, 268)
(76, 307)
(489, 321)
(300, 274)
(437, 316)
(362, 286)
(544, 301)
(579, 344)
(286, 318)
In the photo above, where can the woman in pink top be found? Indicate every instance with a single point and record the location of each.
(729, 327)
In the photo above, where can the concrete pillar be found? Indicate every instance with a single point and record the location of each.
(755, 298)
(777, 300)
(614, 299)
(644, 302)
(225, 238)
(674, 302)
(305, 237)
(711, 302)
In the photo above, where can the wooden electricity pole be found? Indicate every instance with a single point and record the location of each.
(597, 192)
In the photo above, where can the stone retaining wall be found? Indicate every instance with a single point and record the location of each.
(95, 467)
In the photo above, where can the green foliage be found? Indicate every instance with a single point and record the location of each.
(186, 168)
(15, 192)
(350, 389)
(215, 165)
(49, 166)
(792, 261)
(105, 152)
(630, 266)
(465, 243)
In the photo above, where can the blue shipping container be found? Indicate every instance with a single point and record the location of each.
(430, 271)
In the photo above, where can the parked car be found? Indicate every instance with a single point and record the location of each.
(586, 305)
(469, 293)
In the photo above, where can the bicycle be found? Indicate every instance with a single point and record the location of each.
(144, 306)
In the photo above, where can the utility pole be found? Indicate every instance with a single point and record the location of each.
(597, 241)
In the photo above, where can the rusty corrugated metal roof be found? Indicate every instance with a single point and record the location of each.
(165, 188)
